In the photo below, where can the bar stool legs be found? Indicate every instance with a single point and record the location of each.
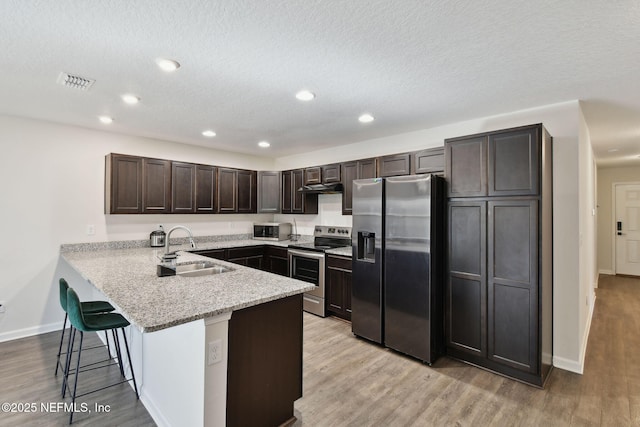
(74, 390)
(82, 322)
(87, 307)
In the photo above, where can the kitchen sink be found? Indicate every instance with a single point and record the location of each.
(193, 269)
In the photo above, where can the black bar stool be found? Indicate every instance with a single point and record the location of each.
(93, 323)
(88, 307)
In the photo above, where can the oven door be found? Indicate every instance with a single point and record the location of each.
(308, 266)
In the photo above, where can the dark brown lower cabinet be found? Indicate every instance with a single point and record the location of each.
(338, 286)
(276, 260)
(251, 256)
(273, 259)
(493, 291)
(213, 253)
(264, 375)
(466, 322)
(499, 290)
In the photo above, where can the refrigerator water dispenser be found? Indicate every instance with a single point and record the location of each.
(366, 246)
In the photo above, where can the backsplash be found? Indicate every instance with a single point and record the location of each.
(329, 213)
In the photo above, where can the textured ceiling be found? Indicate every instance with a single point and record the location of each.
(412, 64)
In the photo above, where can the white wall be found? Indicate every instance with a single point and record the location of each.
(607, 176)
(53, 187)
(60, 191)
(587, 244)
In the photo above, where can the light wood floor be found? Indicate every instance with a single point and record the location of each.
(350, 382)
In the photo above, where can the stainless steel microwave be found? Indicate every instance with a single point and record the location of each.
(272, 231)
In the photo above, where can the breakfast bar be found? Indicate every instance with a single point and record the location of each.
(209, 350)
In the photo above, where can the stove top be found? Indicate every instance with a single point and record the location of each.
(326, 237)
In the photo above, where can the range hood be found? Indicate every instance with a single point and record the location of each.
(322, 188)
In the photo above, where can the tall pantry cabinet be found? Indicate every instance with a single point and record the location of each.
(500, 255)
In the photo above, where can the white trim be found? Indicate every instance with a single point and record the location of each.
(573, 365)
(29, 332)
(609, 272)
(223, 317)
(614, 210)
(155, 413)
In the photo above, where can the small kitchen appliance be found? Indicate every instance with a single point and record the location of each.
(272, 231)
(157, 238)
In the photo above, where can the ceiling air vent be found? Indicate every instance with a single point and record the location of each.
(75, 81)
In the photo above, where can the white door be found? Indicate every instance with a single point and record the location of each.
(627, 229)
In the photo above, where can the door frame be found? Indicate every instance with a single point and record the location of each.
(614, 206)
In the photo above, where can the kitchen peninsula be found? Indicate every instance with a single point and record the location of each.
(207, 350)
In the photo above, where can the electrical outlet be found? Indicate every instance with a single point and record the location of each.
(215, 352)
(91, 230)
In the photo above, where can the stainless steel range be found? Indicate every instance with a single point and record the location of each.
(307, 263)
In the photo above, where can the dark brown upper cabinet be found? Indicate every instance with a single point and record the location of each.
(247, 194)
(357, 169)
(123, 189)
(287, 191)
(349, 174)
(269, 189)
(313, 175)
(205, 189)
(395, 165)
(156, 186)
(183, 187)
(367, 168)
(514, 162)
(466, 166)
(227, 190)
(236, 191)
(294, 201)
(428, 161)
(331, 173)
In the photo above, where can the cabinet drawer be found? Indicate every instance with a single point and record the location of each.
(343, 263)
(246, 252)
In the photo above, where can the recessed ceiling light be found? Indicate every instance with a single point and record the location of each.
(264, 144)
(209, 133)
(106, 119)
(305, 95)
(168, 65)
(130, 99)
(366, 118)
(612, 150)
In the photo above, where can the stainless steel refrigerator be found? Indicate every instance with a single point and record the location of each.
(397, 241)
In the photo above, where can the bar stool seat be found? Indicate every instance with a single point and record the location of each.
(88, 307)
(93, 323)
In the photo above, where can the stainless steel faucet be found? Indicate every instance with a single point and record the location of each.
(167, 256)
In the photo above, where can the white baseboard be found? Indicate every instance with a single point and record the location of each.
(609, 272)
(153, 410)
(573, 365)
(29, 332)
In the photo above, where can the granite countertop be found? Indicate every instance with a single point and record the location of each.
(128, 278)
